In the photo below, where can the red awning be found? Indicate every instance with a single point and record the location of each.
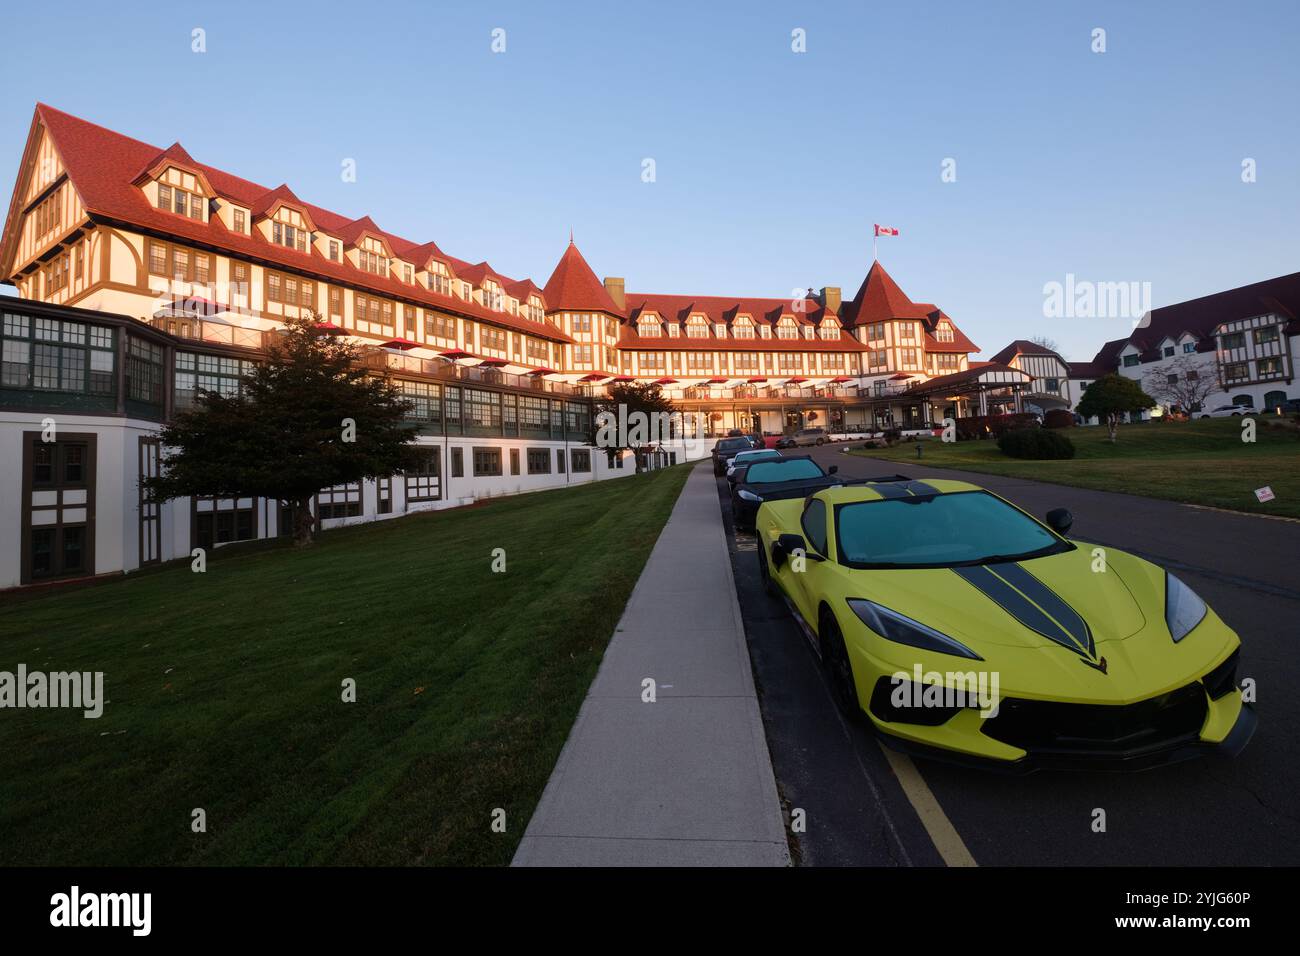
(493, 363)
(840, 380)
(329, 328)
(899, 377)
(796, 381)
(624, 378)
(402, 344)
(592, 378)
(454, 354)
(665, 381)
(755, 381)
(541, 371)
(717, 381)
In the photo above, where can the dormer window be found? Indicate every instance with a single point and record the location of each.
(408, 274)
(291, 237)
(786, 329)
(492, 296)
(829, 329)
(944, 333)
(535, 311)
(674, 330)
(335, 252)
(743, 327)
(174, 199)
(720, 330)
(373, 262)
(807, 331)
(648, 327)
(438, 281)
(697, 327)
(765, 331)
(239, 220)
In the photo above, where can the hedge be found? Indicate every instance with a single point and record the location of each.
(1040, 444)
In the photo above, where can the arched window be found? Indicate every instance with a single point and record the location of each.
(1244, 399)
(1273, 399)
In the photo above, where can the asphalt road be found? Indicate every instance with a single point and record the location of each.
(1214, 811)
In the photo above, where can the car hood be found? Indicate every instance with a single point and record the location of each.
(774, 490)
(1057, 599)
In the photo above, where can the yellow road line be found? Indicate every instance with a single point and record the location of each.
(942, 833)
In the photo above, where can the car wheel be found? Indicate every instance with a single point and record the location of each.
(820, 442)
(835, 660)
(764, 574)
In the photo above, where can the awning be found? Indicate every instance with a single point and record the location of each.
(454, 354)
(899, 377)
(592, 378)
(665, 381)
(840, 380)
(493, 363)
(329, 328)
(755, 381)
(624, 378)
(796, 381)
(717, 381)
(402, 344)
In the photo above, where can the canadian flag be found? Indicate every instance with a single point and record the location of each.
(885, 230)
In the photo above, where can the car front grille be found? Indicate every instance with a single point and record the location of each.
(1048, 727)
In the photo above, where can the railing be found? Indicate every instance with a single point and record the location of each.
(783, 393)
(209, 330)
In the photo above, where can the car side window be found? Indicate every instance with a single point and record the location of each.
(814, 525)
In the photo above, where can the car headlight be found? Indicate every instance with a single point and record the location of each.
(748, 495)
(903, 630)
(1183, 608)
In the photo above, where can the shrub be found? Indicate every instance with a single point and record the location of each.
(1040, 444)
(991, 426)
(1058, 418)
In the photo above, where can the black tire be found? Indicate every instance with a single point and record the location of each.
(835, 661)
(764, 574)
(820, 442)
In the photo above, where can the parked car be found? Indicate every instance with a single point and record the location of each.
(743, 458)
(1227, 411)
(756, 439)
(1123, 670)
(811, 436)
(787, 477)
(785, 441)
(726, 449)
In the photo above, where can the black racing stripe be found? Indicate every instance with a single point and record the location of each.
(921, 488)
(1016, 604)
(1049, 601)
(889, 490)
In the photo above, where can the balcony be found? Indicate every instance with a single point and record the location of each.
(387, 360)
(783, 393)
(214, 331)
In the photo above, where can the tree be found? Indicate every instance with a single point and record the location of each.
(1110, 397)
(1188, 389)
(308, 418)
(633, 415)
(1045, 342)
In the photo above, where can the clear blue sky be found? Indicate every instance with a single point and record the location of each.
(771, 165)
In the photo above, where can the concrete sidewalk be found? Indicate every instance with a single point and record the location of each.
(686, 780)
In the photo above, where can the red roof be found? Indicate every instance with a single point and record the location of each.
(575, 288)
(879, 299)
(103, 165)
(1023, 347)
(1280, 296)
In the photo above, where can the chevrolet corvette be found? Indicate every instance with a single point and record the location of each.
(965, 629)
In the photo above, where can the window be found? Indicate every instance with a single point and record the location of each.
(1171, 379)
(786, 329)
(339, 501)
(291, 237)
(580, 461)
(334, 250)
(743, 328)
(425, 399)
(222, 525)
(1269, 367)
(539, 461)
(1266, 336)
(947, 362)
(439, 326)
(1052, 385)
(1189, 348)
(745, 361)
(438, 281)
(289, 290)
(336, 302)
(559, 461)
(195, 373)
(487, 462)
(648, 328)
(699, 361)
(56, 274)
(1233, 340)
(55, 548)
(907, 357)
(408, 274)
(451, 407)
(814, 525)
(144, 371)
(1235, 372)
(240, 220)
(876, 332)
(157, 258)
(54, 355)
(790, 361)
(697, 327)
(493, 339)
(581, 323)
(49, 214)
(878, 360)
(457, 462)
(907, 331)
(650, 361)
(532, 413)
(944, 333)
(514, 461)
(482, 409)
(1130, 361)
(239, 279)
(424, 478)
(369, 261)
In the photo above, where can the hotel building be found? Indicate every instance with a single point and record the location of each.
(144, 275)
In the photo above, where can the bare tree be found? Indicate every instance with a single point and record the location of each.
(1047, 343)
(1182, 382)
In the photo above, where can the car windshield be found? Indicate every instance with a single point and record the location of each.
(729, 443)
(785, 469)
(751, 456)
(967, 527)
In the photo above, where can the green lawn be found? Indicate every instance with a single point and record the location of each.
(224, 689)
(1202, 462)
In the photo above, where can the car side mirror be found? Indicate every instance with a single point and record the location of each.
(786, 545)
(1060, 520)
(833, 469)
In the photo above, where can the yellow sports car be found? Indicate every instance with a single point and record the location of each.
(968, 630)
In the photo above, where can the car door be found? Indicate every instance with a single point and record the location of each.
(803, 585)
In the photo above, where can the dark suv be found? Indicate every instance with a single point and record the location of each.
(726, 449)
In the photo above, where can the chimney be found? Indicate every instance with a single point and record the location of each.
(614, 286)
(831, 298)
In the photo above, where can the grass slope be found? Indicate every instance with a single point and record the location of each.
(1201, 462)
(224, 689)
